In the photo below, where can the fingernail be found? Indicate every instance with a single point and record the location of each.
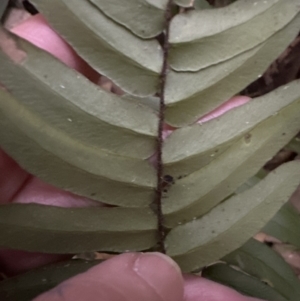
(162, 256)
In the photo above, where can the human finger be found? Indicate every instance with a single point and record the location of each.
(131, 276)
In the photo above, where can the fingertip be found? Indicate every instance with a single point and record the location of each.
(161, 273)
(130, 276)
(165, 258)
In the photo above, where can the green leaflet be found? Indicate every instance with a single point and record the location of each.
(193, 49)
(49, 229)
(294, 145)
(132, 63)
(233, 222)
(190, 148)
(197, 193)
(252, 181)
(142, 17)
(241, 282)
(210, 77)
(285, 225)
(73, 151)
(81, 109)
(260, 261)
(202, 4)
(228, 17)
(63, 133)
(189, 95)
(38, 161)
(27, 286)
(161, 4)
(150, 101)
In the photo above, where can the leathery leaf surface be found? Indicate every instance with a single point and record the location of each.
(242, 282)
(67, 127)
(198, 41)
(285, 225)
(196, 194)
(233, 222)
(132, 63)
(189, 95)
(71, 133)
(260, 261)
(188, 149)
(52, 229)
(142, 17)
(27, 286)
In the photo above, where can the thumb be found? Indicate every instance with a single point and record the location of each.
(130, 276)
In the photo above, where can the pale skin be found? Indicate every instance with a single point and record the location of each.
(130, 276)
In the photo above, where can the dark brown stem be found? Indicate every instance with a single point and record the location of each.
(160, 170)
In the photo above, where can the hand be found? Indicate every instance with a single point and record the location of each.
(130, 276)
